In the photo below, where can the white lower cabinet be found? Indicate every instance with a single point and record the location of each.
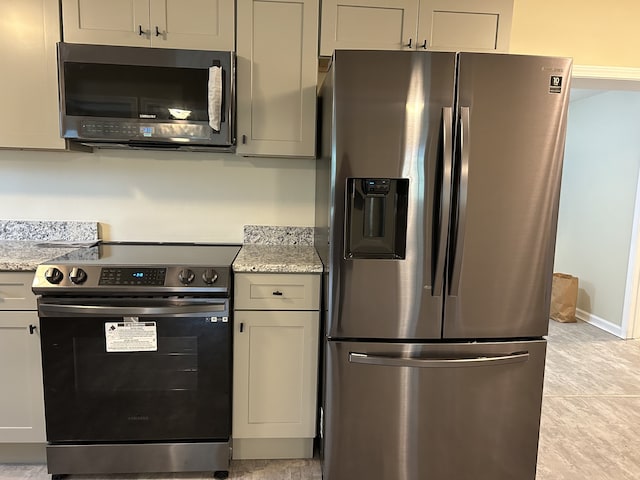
(22, 399)
(275, 367)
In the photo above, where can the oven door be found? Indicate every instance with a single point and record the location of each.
(133, 370)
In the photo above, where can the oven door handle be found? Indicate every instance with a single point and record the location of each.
(53, 309)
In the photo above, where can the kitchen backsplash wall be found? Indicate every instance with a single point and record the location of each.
(158, 196)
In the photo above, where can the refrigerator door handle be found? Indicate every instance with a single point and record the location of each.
(445, 199)
(478, 361)
(456, 272)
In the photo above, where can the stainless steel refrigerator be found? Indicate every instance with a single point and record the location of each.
(437, 197)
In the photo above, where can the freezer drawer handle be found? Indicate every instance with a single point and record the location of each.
(479, 361)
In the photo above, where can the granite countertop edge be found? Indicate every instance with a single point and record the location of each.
(277, 259)
(25, 255)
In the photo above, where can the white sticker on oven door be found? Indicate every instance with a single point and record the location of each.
(131, 337)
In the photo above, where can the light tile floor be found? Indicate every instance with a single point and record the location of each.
(590, 427)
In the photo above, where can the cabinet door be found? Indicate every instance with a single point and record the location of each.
(465, 25)
(368, 24)
(192, 24)
(29, 94)
(275, 374)
(116, 22)
(22, 399)
(277, 67)
(15, 291)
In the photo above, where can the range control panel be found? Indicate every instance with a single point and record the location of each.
(133, 276)
(126, 279)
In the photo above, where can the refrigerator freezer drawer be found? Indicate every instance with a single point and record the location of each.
(466, 411)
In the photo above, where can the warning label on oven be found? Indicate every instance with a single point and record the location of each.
(131, 337)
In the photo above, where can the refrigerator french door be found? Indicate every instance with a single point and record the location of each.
(437, 193)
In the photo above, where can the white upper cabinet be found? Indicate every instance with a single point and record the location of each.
(188, 24)
(465, 25)
(449, 25)
(29, 94)
(368, 24)
(277, 73)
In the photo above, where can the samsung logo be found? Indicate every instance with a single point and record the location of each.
(138, 418)
(146, 115)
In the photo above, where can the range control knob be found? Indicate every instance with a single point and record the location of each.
(77, 275)
(53, 275)
(209, 276)
(186, 276)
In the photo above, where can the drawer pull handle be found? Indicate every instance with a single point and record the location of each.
(32, 329)
(277, 293)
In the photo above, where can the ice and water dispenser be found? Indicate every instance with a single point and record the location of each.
(376, 218)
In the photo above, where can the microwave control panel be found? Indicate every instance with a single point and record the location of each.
(124, 131)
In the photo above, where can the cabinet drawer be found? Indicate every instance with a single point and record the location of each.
(15, 291)
(277, 292)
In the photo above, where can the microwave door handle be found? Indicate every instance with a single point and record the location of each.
(214, 97)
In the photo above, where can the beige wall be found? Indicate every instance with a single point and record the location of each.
(593, 33)
(597, 199)
(158, 196)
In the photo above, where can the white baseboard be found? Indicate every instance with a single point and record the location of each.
(601, 323)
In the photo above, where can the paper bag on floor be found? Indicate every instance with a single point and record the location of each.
(564, 297)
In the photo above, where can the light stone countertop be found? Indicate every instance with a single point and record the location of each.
(24, 244)
(277, 249)
(25, 256)
(277, 259)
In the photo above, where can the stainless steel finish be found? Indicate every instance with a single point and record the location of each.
(92, 286)
(138, 458)
(445, 199)
(480, 138)
(476, 421)
(514, 169)
(461, 216)
(478, 361)
(53, 309)
(386, 123)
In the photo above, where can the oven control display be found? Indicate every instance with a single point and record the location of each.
(133, 276)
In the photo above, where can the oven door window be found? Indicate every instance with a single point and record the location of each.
(181, 391)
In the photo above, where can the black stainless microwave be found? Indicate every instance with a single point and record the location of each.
(112, 96)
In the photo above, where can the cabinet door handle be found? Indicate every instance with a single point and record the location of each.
(241, 327)
(424, 45)
(32, 329)
(410, 44)
(158, 33)
(277, 293)
(141, 32)
(244, 139)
